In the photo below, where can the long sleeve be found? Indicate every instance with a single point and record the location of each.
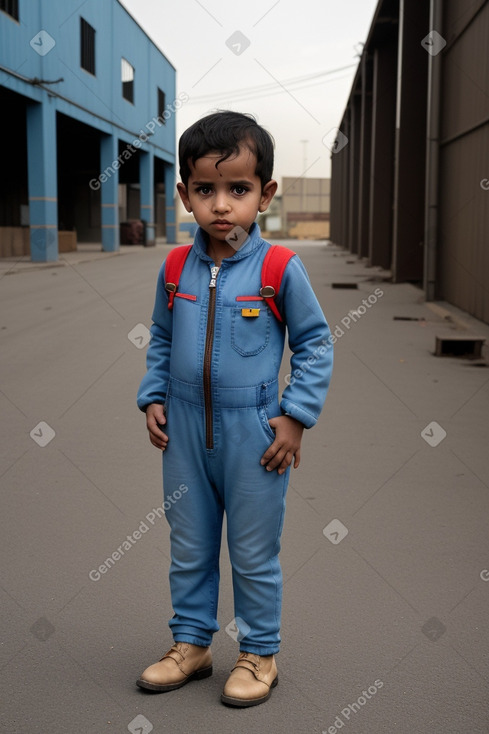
(312, 353)
(154, 384)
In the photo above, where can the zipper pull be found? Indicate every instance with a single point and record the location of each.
(214, 272)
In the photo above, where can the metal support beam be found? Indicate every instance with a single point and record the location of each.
(382, 164)
(410, 152)
(432, 159)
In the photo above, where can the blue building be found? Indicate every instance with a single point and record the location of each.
(87, 127)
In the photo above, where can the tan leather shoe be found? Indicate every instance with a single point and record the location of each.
(182, 663)
(251, 680)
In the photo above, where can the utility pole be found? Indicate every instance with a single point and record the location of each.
(304, 169)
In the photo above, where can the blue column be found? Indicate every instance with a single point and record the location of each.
(42, 181)
(171, 227)
(146, 179)
(109, 177)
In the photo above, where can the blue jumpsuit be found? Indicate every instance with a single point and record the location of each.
(216, 371)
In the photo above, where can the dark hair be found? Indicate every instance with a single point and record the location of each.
(225, 132)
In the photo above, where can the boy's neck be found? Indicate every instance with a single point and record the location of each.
(219, 250)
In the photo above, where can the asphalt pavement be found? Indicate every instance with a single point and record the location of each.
(385, 550)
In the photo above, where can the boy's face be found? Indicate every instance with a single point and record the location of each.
(225, 197)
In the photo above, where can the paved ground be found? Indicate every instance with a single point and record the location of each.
(385, 629)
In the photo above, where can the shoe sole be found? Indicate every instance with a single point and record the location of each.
(243, 702)
(198, 675)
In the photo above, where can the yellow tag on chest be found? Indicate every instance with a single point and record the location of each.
(253, 312)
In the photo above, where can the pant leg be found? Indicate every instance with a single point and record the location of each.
(255, 508)
(194, 511)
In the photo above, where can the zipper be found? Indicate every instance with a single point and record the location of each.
(209, 341)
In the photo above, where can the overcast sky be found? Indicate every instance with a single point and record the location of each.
(267, 57)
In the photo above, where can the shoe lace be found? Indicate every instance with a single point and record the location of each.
(248, 656)
(176, 647)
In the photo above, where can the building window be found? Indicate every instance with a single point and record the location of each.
(127, 72)
(11, 7)
(87, 46)
(161, 104)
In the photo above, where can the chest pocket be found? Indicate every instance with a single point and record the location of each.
(250, 334)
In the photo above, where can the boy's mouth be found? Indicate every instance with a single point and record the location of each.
(222, 223)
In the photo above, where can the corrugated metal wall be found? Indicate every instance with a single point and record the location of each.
(397, 198)
(463, 235)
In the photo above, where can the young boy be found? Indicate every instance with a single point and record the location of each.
(212, 406)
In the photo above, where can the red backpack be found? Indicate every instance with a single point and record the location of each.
(272, 272)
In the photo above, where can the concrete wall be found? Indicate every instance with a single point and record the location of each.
(305, 195)
(305, 207)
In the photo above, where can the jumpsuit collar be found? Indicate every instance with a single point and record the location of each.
(252, 243)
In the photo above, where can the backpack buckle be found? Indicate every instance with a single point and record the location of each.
(267, 291)
(170, 287)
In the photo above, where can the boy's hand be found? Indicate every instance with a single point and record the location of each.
(287, 444)
(155, 413)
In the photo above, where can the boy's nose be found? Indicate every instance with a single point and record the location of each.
(221, 203)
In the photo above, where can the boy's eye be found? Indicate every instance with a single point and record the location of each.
(204, 190)
(239, 190)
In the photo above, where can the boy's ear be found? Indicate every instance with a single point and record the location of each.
(267, 194)
(182, 190)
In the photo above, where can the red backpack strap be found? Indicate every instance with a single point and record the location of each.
(174, 263)
(272, 272)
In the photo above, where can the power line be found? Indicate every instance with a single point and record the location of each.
(279, 90)
(265, 87)
(295, 83)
